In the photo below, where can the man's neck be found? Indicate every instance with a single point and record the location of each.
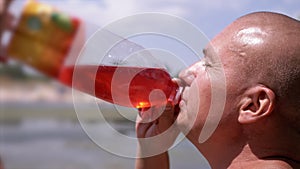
(258, 164)
(282, 142)
(220, 156)
(235, 156)
(247, 159)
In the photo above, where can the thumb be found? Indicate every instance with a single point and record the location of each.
(167, 117)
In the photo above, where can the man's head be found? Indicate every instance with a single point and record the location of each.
(264, 49)
(260, 54)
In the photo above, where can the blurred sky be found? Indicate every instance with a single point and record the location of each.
(210, 16)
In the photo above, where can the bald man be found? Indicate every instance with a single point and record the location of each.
(260, 124)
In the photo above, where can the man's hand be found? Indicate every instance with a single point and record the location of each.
(6, 20)
(156, 134)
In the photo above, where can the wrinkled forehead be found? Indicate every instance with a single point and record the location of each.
(237, 41)
(215, 51)
(228, 50)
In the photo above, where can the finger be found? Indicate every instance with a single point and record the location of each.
(9, 21)
(142, 129)
(4, 15)
(3, 59)
(168, 110)
(145, 115)
(3, 56)
(163, 114)
(165, 119)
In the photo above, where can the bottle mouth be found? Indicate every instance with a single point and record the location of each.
(177, 99)
(176, 96)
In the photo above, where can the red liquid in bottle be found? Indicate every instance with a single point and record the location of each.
(125, 86)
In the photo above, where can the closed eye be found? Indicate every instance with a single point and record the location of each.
(205, 60)
(205, 63)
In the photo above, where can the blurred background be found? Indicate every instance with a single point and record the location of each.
(39, 128)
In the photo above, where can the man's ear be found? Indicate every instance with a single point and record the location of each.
(257, 103)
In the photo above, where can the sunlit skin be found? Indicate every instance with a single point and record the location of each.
(260, 123)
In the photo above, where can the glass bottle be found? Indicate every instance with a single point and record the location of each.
(50, 41)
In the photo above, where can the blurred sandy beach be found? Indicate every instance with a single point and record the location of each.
(39, 129)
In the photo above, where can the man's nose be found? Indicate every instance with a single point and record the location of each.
(188, 75)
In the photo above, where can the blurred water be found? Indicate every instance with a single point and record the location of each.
(41, 131)
(57, 144)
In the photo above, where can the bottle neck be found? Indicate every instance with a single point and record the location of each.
(175, 95)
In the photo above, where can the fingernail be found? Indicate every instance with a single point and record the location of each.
(169, 106)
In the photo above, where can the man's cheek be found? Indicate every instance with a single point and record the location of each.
(201, 100)
(194, 102)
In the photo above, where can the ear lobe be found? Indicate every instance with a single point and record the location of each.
(257, 103)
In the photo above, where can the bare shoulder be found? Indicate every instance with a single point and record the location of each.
(268, 164)
(275, 165)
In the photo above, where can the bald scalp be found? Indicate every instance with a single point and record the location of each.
(266, 48)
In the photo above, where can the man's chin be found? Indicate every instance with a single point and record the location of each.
(183, 122)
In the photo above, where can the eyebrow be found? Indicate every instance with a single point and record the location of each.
(209, 55)
(204, 51)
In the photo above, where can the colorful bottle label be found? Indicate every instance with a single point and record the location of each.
(43, 37)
